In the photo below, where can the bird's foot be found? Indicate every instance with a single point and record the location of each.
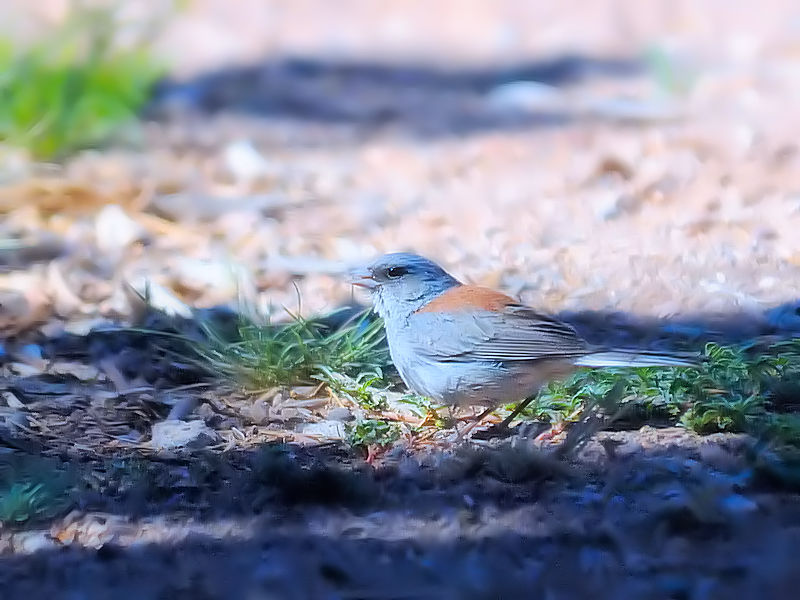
(549, 434)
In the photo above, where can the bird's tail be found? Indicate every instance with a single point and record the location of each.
(638, 358)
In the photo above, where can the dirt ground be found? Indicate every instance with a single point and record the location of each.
(526, 146)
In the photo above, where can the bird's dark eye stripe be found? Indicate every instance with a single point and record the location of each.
(395, 272)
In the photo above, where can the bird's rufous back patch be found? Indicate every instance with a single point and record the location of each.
(468, 297)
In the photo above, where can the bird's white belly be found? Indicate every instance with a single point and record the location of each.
(471, 382)
(475, 383)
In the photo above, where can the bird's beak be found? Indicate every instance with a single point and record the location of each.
(362, 278)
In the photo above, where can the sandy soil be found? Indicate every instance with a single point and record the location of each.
(527, 146)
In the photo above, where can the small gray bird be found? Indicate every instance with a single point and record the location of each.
(467, 345)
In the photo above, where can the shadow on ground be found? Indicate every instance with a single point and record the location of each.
(690, 331)
(283, 522)
(650, 514)
(300, 567)
(423, 100)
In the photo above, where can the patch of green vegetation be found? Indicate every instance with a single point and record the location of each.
(358, 389)
(672, 75)
(23, 502)
(784, 429)
(76, 86)
(421, 406)
(750, 388)
(303, 351)
(372, 432)
(651, 393)
(32, 490)
(733, 389)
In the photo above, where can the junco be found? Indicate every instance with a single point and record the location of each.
(467, 345)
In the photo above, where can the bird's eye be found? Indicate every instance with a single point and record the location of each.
(396, 272)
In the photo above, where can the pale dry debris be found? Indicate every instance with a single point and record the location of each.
(653, 215)
(170, 435)
(545, 212)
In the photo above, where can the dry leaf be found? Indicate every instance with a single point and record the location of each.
(80, 371)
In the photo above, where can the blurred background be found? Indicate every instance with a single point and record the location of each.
(182, 155)
(609, 154)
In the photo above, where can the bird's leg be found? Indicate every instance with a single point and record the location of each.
(519, 408)
(454, 421)
(474, 424)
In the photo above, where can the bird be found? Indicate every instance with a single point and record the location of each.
(465, 345)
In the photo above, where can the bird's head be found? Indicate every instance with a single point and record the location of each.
(402, 283)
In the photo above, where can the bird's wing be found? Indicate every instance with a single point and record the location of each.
(515, 333)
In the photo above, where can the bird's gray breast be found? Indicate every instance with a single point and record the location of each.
(435, 356)
(423, 360)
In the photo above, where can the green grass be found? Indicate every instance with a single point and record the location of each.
(360, 389)
(76, 86)
(420, 405)
(351, 361)
(672, 75)
(301, 352)
(754, 389)
(32, 490)
(372, 432)
(736, 389)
